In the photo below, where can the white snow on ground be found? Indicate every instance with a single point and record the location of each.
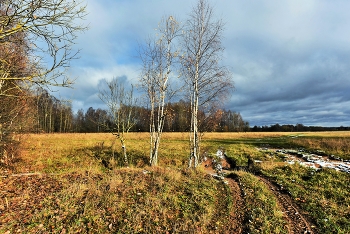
(313, 160)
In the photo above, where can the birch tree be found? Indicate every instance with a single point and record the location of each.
(121, 105)
(207, 81)
(158, 58)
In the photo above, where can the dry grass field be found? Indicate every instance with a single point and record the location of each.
(76, 183)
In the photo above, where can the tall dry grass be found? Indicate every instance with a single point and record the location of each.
(100, 199)
(336, 145)
(46, 150)
(134, 200)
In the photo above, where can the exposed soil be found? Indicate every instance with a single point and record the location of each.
(237, 215)
(297, 220)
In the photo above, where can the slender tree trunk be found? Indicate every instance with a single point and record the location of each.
(153, 159)
(195, 140)
(61, 119)
(152, 133)
(125, 155)
(38, 113)
(158, 58)
(161, 109)
(122, 141)
(51, 123)
(191, 133)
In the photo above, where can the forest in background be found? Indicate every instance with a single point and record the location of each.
(49, 114)
(40, 112)
(53, 115)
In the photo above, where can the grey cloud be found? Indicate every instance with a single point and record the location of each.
(275, 83)
(290, 60)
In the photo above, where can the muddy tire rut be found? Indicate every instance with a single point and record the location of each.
(297, 221)
(237, 215)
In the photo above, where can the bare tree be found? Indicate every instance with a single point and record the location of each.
(207, 81)
(46, 31)
(121, 105)
(36, 38)
(158, 57)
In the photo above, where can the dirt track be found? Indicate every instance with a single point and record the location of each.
(237, 217)
(297, 223)
(296, 219)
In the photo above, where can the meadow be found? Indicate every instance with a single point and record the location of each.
(76, 183)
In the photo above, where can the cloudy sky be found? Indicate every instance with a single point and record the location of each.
(290, 59)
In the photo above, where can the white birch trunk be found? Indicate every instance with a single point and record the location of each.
(162, 82)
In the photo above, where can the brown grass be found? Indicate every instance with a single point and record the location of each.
(98, 199)
(330, 142)
(45, 151)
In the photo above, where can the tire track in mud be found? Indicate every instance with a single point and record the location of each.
(237, 215)
(297, 222)
(236, 224)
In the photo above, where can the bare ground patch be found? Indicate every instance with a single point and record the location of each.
(236, 216)
(297, 219)
(21, 197)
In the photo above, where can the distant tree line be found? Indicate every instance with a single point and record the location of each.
(37, 111)
(41, 112)
(177, 119)
(46, 113)
(296, 128)
(51, 114)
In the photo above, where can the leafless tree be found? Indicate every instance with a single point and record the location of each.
(207, 81)
(158, 57)
(36, 39)
(121, 105)
(46, 31)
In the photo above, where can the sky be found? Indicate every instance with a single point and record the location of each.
(290, 59)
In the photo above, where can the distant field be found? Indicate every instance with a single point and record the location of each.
(174, 148)
(68, 183)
